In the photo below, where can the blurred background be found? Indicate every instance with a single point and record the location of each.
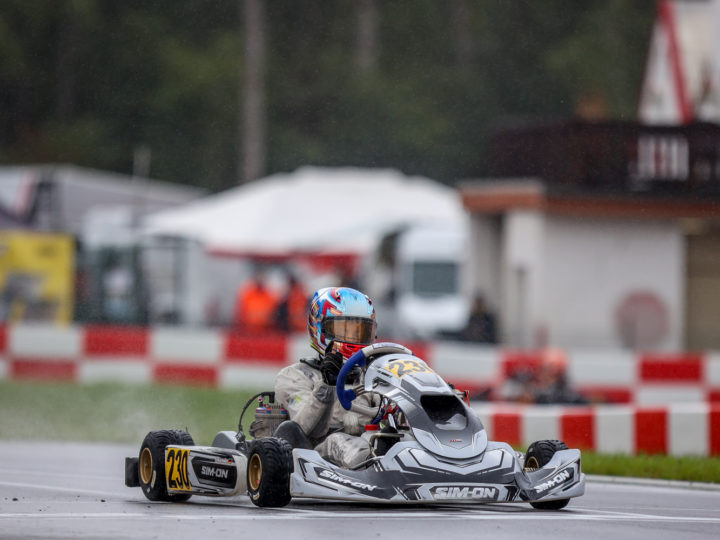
(528, 176)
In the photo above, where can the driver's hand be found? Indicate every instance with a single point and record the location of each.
(330, 367)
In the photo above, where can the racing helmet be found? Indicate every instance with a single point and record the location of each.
(343, 316)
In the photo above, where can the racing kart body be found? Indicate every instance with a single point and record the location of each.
(428, 446)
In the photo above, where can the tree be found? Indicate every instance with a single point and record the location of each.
(90, 81)
(367, 35)
(253, 98)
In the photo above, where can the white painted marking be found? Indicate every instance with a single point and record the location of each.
(40, 340)
(178, 345)
(615, 429)
(602, 367)
(125, 370)
(540, 423)
(486, 417)
(280, 514)
(688, 429)
(712, 368)
(662, 394)
(648, 517)
(298, 346)
(247, 376)
(469, 362)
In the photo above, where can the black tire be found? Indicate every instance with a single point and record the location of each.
(539, 454)
(151, 464)
(268, 472)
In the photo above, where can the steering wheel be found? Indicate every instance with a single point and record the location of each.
(360, 359)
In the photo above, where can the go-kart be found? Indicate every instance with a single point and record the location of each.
(427, 446)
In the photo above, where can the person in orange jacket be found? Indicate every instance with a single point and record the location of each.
(292, 311)
(255, 306)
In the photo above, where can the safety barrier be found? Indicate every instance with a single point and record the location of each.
(139, 355)
(677, 429)
(227, 359)
(672, 401)
(602, 375)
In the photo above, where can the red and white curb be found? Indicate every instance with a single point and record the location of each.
(671, 401)
(676, 429)
(227, 359)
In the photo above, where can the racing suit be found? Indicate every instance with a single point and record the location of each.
(314, 406)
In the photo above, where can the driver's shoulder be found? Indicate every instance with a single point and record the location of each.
(307, 367)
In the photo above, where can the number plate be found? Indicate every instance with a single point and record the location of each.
(400, 368)
(176, 469)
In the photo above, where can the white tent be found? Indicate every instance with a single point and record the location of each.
(313, 210)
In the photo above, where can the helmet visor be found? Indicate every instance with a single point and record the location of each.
(356, 330)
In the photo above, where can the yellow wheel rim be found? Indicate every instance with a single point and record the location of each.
(532, 464)
(146, 466)
(255, 472)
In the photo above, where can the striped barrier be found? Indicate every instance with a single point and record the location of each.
(646, 383)
(138, 355)
(226, 359)
(677, 429)
(603, 376)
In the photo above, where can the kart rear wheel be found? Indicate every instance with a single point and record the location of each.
(151, 464)
(268, 472)
(539, 454)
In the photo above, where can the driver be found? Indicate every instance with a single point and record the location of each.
(340, 323)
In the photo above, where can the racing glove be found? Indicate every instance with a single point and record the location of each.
(330, 367)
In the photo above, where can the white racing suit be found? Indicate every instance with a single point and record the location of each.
(314, 406)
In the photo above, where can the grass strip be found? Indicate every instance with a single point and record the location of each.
(688, 468)
(125, 413)
(116, 413)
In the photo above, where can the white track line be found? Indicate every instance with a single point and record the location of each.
(483, 513)
(263, 515)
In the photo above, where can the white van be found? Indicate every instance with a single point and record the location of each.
(430, 297)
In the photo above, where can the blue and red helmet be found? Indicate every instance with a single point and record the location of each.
(343, 316)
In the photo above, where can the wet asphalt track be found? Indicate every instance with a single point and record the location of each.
(73, 490)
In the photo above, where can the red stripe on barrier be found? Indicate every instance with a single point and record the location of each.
(26, 368)
(607, 394)
(115, 341)
(671, 368)
(514, 361)
(421, 350)
(714, 429)
(713, 395)
(186, 374)
(507, 427)
(577, 428)
(477, 391)
(270, 348)
(3, 339)
(651, 431)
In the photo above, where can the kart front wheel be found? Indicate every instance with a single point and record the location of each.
(151, 463)
(539, 454)
(268, 472)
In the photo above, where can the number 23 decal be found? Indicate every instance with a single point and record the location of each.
(400, 368)
(176, 469)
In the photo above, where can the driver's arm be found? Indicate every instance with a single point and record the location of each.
(354, 421)
(306, 397)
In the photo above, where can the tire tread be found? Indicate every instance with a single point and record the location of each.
(157, 441)
(276, 457)
(543, 451)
